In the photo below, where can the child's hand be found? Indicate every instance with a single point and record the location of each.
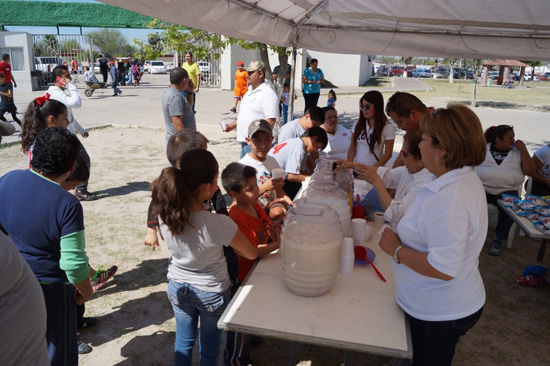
(151, 238)
(272, 184)
(275, 229)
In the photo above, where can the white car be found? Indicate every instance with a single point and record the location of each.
(157, 67)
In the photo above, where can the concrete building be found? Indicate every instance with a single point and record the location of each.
(19, 46)
(340, 69)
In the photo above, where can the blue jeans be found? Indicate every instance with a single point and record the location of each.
(245, 149)
(190, 304)
(285, 114)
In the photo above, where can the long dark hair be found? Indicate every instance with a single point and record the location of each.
(176, 188)
(375, 98)
(36, 120)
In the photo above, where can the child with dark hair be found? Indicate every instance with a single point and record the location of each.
(199, 286)
(6, 100)
(41, 113)
(331, 102)
(290, 155)
(47, 226)
(239, 181)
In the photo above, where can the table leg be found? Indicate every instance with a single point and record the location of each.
(292, 353)
(542, 249)
(346, 358)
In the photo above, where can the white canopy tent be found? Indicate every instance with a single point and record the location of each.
(505, 29)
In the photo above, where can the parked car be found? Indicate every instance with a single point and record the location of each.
(157, 67)
(425, 73)
(397, 71)
(442, 72)
(544, 77)
(529, 77)
(96, 67)
(147, 66)
(415, 73)
(169, 66)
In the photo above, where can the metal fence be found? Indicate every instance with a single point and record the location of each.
(51, 50)
(210, 70)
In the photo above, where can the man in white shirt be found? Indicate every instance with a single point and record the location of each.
(339, 137)
(259, 102)
(314, 117)
(65, 91)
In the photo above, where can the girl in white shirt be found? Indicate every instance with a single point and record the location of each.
(436, 248)
(506, 163)
(373, 135)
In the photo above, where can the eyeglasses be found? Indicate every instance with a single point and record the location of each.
(404, 154)
(250, 73)
(365, 106)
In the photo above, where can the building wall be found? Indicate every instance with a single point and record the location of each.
(228, 63)
(342, 69)
(20, 40)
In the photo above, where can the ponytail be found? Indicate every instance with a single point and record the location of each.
(494, 132)
(35, 119)
(175, 190)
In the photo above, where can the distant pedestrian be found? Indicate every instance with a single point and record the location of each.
(331, 102)
(6, 101)
(87, 73)
(312, 78)
(103, 67)
(135, 72)
(114, 77)
(5, 68)
(194, 75)
(241, 85)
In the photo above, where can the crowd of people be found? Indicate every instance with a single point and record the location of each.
(434, 196)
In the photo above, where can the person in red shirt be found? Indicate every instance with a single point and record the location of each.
(5, 68)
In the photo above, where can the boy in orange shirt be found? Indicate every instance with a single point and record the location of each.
(240, 182)
(241, 84)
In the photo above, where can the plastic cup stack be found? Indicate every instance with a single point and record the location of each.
(358, 231)
(348, 256)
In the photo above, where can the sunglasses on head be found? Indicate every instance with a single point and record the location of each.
(365, 106)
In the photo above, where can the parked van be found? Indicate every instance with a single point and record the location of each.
(46, 64)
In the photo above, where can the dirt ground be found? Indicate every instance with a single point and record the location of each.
(136, 320)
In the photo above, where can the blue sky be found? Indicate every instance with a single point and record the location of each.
(130, 34)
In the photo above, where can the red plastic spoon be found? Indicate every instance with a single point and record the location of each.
(361, 253)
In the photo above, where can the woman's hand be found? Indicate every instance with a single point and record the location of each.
(389, 241)
(344, 164)
(368, 173)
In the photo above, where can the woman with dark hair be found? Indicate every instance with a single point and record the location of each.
(506, 163)
(436, 246)
(373, 135)
(199, 286)
(312, 78)
(42, 113)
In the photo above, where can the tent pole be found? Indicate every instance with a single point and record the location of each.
(292, 78)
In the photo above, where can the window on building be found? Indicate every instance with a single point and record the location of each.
(16, 57)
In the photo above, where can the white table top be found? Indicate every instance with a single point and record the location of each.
(359, 313)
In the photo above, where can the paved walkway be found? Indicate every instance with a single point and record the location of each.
(141, 107)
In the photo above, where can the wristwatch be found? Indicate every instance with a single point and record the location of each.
(394, 256)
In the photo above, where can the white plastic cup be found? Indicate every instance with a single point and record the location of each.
(277, 173)
(348, 256)
(368, 232)
(223, 125)
(378, 219)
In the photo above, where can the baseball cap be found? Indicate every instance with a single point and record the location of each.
(259, 125)
(255, 65)
(240, 63)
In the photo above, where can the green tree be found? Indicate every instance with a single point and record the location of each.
(109, 41)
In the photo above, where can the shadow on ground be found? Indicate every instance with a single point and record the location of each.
(135, 350)
(130, 187)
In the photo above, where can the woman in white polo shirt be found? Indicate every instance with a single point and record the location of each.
(506, 163)
(437, 244)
